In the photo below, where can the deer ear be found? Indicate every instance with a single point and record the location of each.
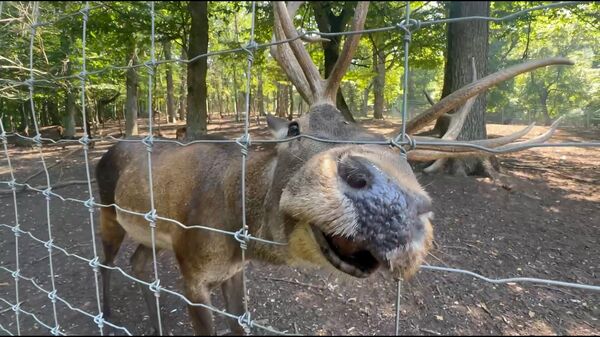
(278, 126)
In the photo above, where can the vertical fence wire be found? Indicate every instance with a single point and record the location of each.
(85, 143)
(407, 38)
(245, 320)
(16, 226)
(151, 216)
(38, 145)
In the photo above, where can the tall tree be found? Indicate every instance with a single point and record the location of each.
(131, 107)
(467, 40)
(172, 115)
(196, 79)
(330, 22)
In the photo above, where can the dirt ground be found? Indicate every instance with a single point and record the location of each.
(540, 220)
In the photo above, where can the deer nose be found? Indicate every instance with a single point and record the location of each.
(355, 172)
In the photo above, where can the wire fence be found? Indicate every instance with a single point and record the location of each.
(407, 26)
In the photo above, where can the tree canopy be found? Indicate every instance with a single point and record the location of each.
(118, 34)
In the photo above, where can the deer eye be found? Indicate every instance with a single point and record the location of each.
(293, 129)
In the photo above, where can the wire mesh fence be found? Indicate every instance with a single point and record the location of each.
(50, 319)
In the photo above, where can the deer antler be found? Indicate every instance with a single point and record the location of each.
(468, 93)
(457, 98)
(296, 61)
(457, 120)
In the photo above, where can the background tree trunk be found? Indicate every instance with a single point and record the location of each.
(378, 82)
(196, 79)
(69, 118)
(260, 96)
(183, 87)
(131, 108)
(172, 115)
(467, 39)
(328, 22)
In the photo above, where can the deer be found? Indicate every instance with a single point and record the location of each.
(348, 208)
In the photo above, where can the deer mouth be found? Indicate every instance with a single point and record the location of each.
(346, 255)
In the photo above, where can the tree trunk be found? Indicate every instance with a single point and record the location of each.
(291, 91)
(131, 109)
(171, 113)
(260, 96)
(544, 105)
(69, 118)
(467, 40)
(328, 22)
(196, 79)
(282, 100)
(379, 82)
(183, 86)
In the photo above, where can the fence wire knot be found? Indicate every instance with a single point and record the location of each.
(17, 232)
(245, 321)
(94, 264)
(149, 142)
(89, 204)
(82, 75)
(47, 192)
(12, 184)
(244, 143)
(37, 139)
(242, 237)
(85, 140)
(155, 288)
(15, 274)
(52, 296)
(16, 308)
(99, 320)
(150, 67)
(48, 244)
(84, 11)
(55, 331)
(249, 49)
(151, 217)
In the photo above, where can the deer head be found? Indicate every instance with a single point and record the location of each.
(356, 207)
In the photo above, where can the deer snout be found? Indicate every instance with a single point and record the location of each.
(391, 221)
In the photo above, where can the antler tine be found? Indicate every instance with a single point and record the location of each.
(284, 55)
(310, 70)
(456, 98)
(350, 46)
(500, 145)
(457, 120)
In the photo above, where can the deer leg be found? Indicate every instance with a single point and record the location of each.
(112, 236)
(233, 293)
(202, 318)
(139, 260)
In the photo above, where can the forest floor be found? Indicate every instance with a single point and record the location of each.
(541, 219)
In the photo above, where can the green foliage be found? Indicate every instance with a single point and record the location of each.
(119, 31)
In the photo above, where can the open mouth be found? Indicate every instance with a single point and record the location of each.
(346, 255)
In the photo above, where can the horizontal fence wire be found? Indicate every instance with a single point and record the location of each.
(412, 143)
(408, 26)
